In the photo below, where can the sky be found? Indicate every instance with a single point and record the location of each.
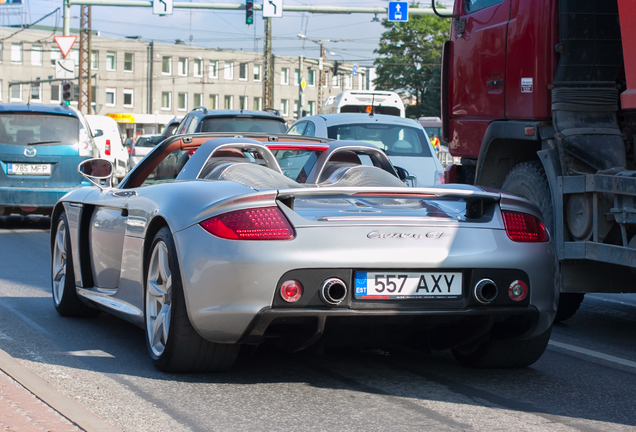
(353, 37)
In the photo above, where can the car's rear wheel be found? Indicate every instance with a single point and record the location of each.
(505, 353)
(173, 344)
(65, 298)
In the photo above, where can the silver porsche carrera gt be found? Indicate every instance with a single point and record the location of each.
(212, 242)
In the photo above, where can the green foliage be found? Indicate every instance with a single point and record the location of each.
(409, 58)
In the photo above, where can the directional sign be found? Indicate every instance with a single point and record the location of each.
(64, 69)
(399, 11)
(65, 43)
(303, 83)
(272, 8)
(162, 7)
(354, 72)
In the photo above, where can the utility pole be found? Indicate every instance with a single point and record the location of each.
(151, 46)
(300, 87)
(84, 98)
(321, 76)
(268, 66)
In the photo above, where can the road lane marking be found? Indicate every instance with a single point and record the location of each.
(594, 354)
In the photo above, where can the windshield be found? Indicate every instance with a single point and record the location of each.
(297, 164)
(28, 127)
(149, 141)
(243, 124)
(395, 140)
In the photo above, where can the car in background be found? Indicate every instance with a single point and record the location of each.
(107, 137)
(403, 140)
(40, 148)
(171, 127)
(201, 119)
(140, 148)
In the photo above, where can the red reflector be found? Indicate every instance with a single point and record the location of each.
(297, 147)
(107, 152)
(517, 290)
(266, 223)
(191, 152)
(522, 227)
(291, 291)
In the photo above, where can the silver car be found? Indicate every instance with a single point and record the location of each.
(403, 140)
(208, 246)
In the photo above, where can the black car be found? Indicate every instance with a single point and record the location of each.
(201, 119)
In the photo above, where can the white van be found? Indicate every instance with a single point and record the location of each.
(108, 139)
(365, 101)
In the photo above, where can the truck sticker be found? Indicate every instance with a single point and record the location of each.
(526, 85)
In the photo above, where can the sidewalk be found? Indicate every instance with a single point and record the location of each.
(28, 403)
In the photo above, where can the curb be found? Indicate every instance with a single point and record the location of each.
(72, 410)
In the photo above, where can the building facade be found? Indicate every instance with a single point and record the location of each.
(145, 84)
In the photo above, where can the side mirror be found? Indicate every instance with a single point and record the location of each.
(404, 175)
(97, 171)
(98, 133)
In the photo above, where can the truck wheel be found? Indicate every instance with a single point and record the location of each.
(173, 344)
(568, 305)
(505, 353)
(65, 298)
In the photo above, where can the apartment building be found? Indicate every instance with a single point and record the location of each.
(144, 84)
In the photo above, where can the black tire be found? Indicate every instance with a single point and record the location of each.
(182, 349)
(65, 299)
(568, 305)
(505, 353)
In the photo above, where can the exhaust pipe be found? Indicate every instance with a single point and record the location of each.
(485, 291)
(333, 291)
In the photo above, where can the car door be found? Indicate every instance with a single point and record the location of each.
(478, 64)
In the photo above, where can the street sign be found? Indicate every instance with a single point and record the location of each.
(162, 7)
(303, 83)
(65, 43)
(399, 11)
(272, 8)
(64, 69)
(354, 72)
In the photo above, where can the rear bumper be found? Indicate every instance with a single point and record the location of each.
(31, 197)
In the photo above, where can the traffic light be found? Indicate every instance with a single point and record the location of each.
(335, 68)
(249, 12)
(68, 91)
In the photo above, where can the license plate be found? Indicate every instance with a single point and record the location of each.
(400, 286)
(29, 169)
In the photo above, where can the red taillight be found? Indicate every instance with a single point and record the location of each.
(132, 151)
(291, 291)
(107, 152)
(522, 227)
(266, 223)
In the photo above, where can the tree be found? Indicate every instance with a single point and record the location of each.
(409, 61)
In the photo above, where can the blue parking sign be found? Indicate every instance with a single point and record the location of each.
(354, 72)
(399, 11)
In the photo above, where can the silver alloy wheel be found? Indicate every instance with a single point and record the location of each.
(158, 298)
(59, 262)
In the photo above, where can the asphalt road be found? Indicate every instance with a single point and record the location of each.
(586, 380)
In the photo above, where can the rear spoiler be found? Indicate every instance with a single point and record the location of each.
(475, 199)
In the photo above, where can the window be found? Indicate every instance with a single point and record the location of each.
(229, 102)
(128, 98)
(311, 109)
(198, 69)
(228, 71)
(198, 99)
(111, 60)
(94, 60)
(243, 71)
(129, 60)
(311, 78)
(348, 81)
(0, 90)
(1, 52)
(295, 112)
(182, 69)
(284, 76)
(182, 102)
(55, 55)
(475, 5)
(242, 102)
(110, 97)
(296, 77)
(15, 92)
(16, 53)
(258, 103)
(258, 70)
(284, 107)
(335, 81)
(166, 101)
(166, 65)
(36, 55)
(214, 102)
(325, 83)
(214, 69)
(36, 92)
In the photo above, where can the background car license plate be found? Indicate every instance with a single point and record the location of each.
(29, 169)
(399, 286)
